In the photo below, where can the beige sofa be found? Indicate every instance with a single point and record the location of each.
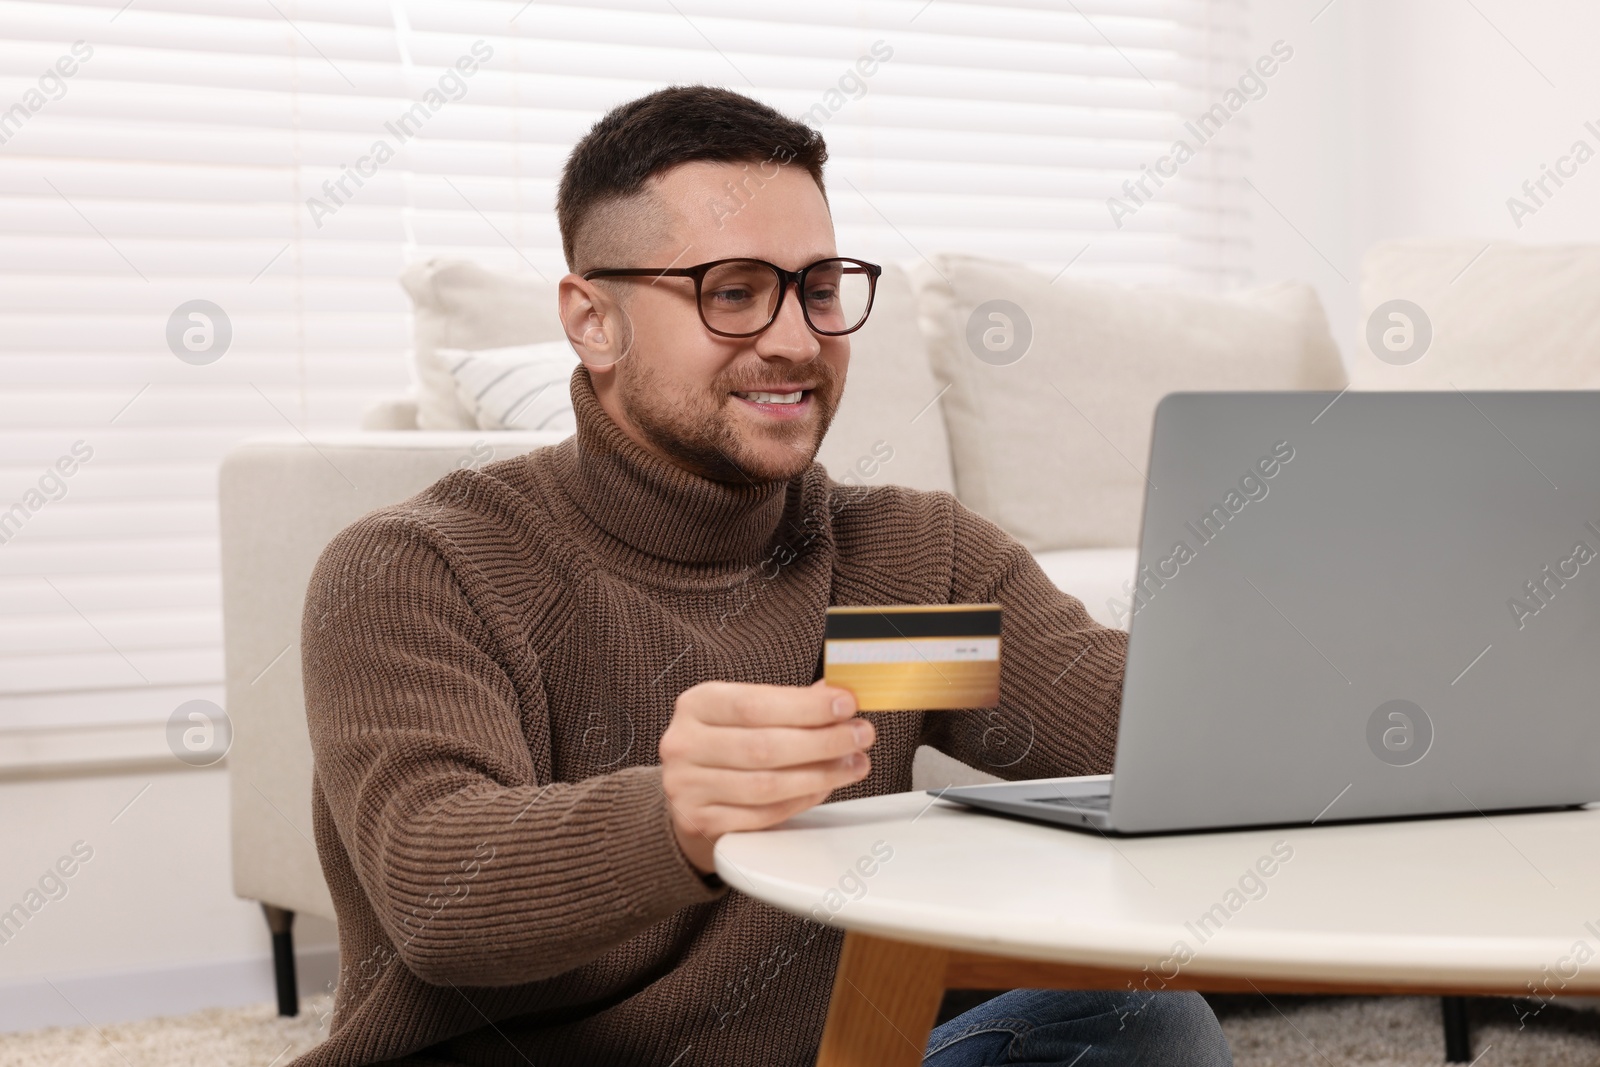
(1050, 443)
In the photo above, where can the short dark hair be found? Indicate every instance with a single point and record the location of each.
(638, 140)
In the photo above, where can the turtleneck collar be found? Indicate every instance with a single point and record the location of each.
(660, 509)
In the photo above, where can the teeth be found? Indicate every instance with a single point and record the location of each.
(774, 398)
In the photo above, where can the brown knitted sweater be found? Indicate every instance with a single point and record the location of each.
(489, 666)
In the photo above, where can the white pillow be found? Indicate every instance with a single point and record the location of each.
(523, 387)
(458, 304)
(1494, 315)
(1050, 422)
(889, 428)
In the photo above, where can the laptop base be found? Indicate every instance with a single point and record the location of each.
(1076, 803)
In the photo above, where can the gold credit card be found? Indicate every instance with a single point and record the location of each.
(902, 657)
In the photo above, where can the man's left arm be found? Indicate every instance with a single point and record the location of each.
(1060, 675)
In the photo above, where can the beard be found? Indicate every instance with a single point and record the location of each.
(700, 432)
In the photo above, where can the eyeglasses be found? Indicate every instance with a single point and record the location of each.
(742, 297)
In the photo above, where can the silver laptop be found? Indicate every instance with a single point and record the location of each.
(1354, 606)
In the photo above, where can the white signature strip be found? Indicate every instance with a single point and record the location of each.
(913, 649)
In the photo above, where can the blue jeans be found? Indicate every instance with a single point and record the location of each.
(1058, 1028)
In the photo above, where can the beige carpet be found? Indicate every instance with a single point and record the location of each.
(221, 1037)
(1400, 1032)
(1373, 1032)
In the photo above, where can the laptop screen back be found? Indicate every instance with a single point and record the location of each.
(1384, 605)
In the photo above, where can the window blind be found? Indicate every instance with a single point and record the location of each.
(160, 152)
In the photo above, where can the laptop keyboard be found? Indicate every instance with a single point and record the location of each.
(1096, 802)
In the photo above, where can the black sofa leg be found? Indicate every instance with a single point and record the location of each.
(1457, 1037)
(281, 922)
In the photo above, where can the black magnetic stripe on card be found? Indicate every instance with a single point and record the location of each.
(855, 626)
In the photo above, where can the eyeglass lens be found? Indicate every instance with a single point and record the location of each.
(741, 296)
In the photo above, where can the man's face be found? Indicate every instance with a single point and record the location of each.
(748, 409)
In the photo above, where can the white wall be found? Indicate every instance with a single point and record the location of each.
(1306, 150)
(1416, 119)
(149, 925)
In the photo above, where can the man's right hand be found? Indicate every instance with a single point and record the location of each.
(744, 757)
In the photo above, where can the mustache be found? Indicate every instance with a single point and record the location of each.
(822, 377)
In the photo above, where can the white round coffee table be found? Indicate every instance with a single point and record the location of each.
(936, 896)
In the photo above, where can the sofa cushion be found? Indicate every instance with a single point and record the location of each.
(1050, 405)
(1500, 315)
(459, 304)
(888, 427)
(390, 413)
(524, 387)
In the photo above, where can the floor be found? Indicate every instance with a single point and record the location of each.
(222, 1037)
(1372, 1032)
(1396, 1031)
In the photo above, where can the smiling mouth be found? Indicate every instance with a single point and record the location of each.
(791, 397)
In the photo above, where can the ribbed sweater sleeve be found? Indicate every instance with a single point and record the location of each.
(421, 714)
(1060, 675)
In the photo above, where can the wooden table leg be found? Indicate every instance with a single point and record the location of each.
(886, 996)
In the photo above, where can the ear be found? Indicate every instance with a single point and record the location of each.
(595, 324)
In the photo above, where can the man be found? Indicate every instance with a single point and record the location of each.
(575, 670)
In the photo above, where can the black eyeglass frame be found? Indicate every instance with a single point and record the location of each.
(785, 279)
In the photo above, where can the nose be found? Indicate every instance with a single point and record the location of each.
(789, 337)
